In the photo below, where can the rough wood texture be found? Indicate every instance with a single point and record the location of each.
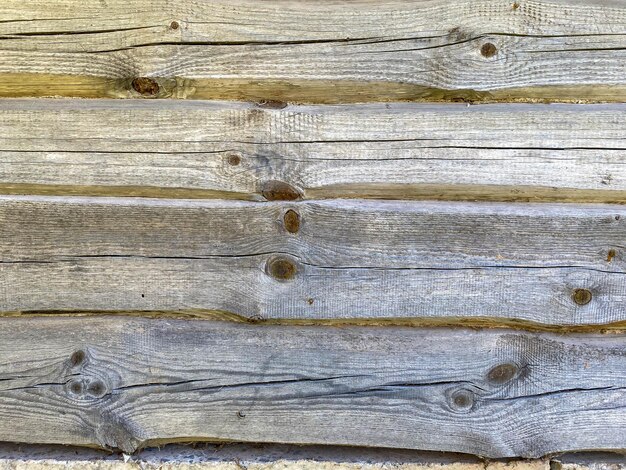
(126, 383)
(341, 259)
(264, 213)
(412, 151)
(322, 51)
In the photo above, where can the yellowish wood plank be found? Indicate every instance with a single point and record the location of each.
(322, 52)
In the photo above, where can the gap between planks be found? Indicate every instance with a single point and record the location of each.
(415, 192)
(474, 323)
(295, 91)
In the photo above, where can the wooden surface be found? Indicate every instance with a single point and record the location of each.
(345, 259)
(332, 235)
(406, 151)
(316, 51)
(125, 383)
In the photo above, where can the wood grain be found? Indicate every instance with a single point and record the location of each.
(316, 51)
(339, 259)
(275, 215)
(406, 151)
(122, 383)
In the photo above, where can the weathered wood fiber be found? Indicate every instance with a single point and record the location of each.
(125, 383)
(340, 259)
(316, 51)
(406, 151)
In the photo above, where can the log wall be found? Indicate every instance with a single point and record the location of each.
(366, 223)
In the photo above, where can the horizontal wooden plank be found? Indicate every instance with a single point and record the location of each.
(407, 151)
(125, 383)
(316, 51)
(551, 264)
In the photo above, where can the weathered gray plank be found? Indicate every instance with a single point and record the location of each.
(317, 51)
(222, 21)
(126, 383)
(200, 149)
(339, 259)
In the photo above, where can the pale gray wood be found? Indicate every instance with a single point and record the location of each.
(353, 259)
(426, 44)
(173, 149)
(288, 21)
(126, 383)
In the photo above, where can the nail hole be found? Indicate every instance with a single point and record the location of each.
(488, 50)
(174, 25)
(310, 301)
(145, 86)
(502, 373)
(77, 358)
(582, 296)
(281, 269)
(241, 414)
(291, 221)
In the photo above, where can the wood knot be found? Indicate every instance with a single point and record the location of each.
(233, 159)
(502, 373)
(582, 296)
(291, 221)
(611, 254)
(462, 400)
(116, 432)
(76, 387)
(96, 389)
(282, 269)
(145, 86)
(279, 191)
(488, 50)
(86, 389)
(77, 358)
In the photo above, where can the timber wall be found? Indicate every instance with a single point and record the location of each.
(368, 223)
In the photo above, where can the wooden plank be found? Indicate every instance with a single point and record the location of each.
(407, 151)
(316, 51)
(550, 264)
(127, 383)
